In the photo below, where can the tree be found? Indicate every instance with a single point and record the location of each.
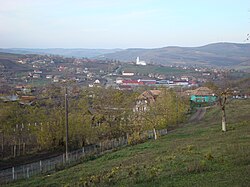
(222, 101)
(113, 109)
(168, 109)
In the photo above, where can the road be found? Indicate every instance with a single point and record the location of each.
(198, 115)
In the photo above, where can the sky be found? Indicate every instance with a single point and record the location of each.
(122, 23)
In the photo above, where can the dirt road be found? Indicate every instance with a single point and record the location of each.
(198, 115)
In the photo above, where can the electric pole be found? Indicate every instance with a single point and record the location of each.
(66, 122)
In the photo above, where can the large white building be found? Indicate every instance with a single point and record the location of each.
(138, 62)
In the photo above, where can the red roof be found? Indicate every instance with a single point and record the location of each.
(132, 82)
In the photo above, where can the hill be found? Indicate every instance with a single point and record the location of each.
(231, 55)
(218, 54)
(196, 154)
(8, 61)
(78, 53)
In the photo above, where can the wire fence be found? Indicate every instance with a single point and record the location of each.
(58, 162)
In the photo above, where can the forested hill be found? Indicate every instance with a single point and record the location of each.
(219, 54)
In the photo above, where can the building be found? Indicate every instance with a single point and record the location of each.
(147, 81)
(132, 83)
(124, 73)
(49, 76)
(36, 76)
(145, 99)
(203, 95)
(38, 72)
(138, 62)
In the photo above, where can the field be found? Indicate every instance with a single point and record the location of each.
(196, 154)
(154, 69)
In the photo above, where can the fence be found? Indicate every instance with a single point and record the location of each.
(54, 163)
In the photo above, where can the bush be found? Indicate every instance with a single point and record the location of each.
(136, 138)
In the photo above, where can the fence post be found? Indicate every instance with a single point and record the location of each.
(100, 143)
(13, 173)
(83, 150)
(40, 166)
(28, 175)
(127, 137)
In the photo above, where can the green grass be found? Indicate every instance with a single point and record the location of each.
(196, 154)
(153, 69)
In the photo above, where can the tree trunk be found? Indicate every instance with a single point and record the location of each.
(223, 119)
(155, 135)
(19, 147)
(24, 152)
(14, 150)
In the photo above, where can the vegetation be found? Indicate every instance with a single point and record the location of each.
(94, 115)
(167, 110)
(196, 154)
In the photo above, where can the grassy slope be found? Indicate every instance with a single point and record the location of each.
(194, 155)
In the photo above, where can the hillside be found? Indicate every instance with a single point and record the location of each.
(196, 154)
(218, 54)
(8, 61)
(230, 55)
(78, 53)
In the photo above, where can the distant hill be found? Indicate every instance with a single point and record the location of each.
(8, 60)
(218, 54)
(9, 56)
(78, 53)
(232, 55)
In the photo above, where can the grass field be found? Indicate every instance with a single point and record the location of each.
(154, 69)
(196, 154)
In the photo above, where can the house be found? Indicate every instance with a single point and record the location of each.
(49, 76)
(146, 98)
(206, 73)
(36, 76)
(119, 80)
(124, 73)
(203, 95)
(38, 72)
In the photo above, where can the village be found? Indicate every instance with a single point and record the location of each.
(42, 70)
(101, 104)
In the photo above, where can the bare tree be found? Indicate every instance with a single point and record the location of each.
(222, 101)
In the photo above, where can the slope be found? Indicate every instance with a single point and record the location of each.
(197, 154)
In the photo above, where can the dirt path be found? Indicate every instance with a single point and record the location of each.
(198, 115)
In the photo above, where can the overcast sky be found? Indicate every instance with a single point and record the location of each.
(121, 23)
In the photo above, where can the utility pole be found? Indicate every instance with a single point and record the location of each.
(66, 122)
